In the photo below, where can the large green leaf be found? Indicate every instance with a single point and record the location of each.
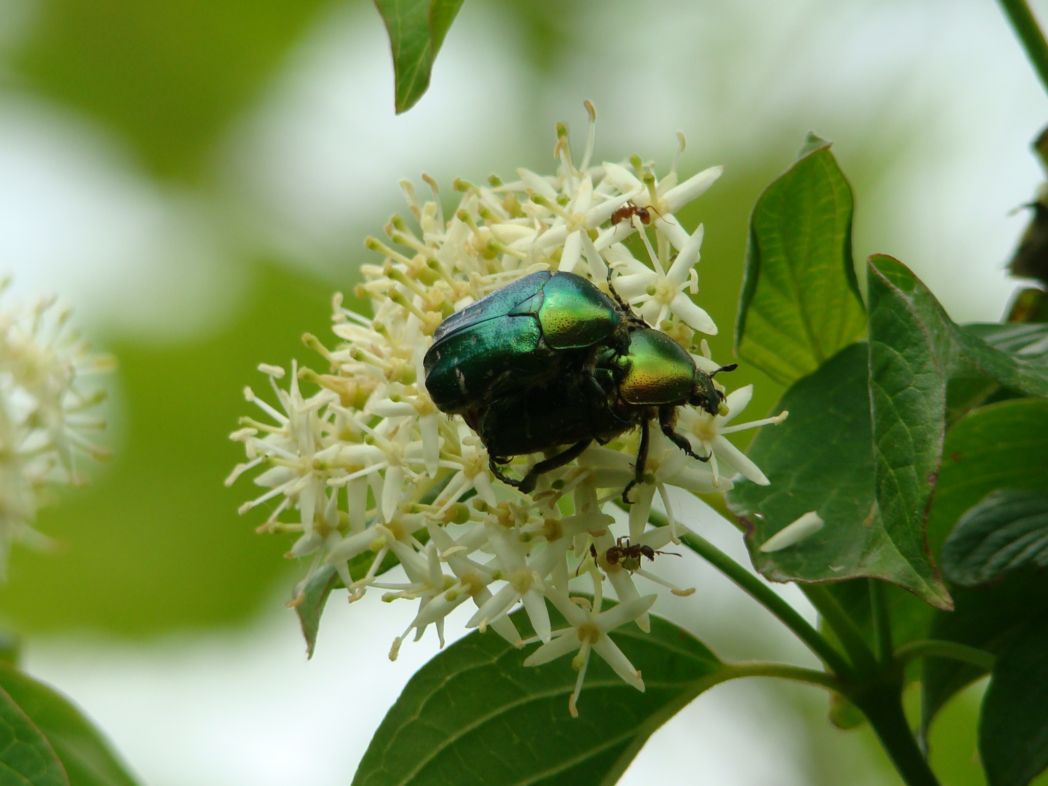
(864, 447)
(821, 459)
(910, 352)
(77, 748)
(1008, 530)
(416, 30)
(800, 302)
(1013, 727)
(475, 715)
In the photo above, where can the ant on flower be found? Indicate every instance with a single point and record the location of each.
(631, 209)
(628, 555)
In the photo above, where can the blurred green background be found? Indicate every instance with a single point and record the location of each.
(196, 179)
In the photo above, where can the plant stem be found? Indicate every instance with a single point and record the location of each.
(883, 709)
(765, 595)
(934, 648)
(785, 672)
(882, 623)
(847, 633)
(1026, 27)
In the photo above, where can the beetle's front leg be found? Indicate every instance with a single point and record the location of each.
(640, 463)
(666, 425)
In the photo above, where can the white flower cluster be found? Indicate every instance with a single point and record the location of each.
(46, 412)
(364, 469)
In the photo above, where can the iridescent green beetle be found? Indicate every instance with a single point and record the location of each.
(520, 337)
(549, 362)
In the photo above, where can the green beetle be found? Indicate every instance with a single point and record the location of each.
(519, 337)
(550, 361)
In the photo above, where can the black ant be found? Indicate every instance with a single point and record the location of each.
(628, 554)
(631, 209)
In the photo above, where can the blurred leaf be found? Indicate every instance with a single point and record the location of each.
(83, 755)
(1029, 305)
(1013, 727)
(1030, 259)
(154, 543)
(800, 301)
(985, 617)
(416, 31)
(1006, 531)
(475, 715)
(26, 757)
(167, 77)
(1027, 341)
(10, 648)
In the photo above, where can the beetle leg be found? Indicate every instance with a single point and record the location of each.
(632, 317)
(527, 484)
(496, 470)
(666, 425)
(639, 464)
(614, 294)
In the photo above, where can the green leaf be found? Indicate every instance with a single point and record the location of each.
(1029, 340)
(800, 302)
(821, 459)
(84, 754)
(1026, 341)
(310, 601)
(26, 757)
(850, 424)
(984, 617)
(416, 30)
(998, 446)
(910, 346)
(1006, 531)
(994, 447)
(1013, 727)
(475, 715)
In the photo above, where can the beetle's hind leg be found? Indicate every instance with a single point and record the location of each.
(527, 483)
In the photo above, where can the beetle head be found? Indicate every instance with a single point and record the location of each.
(705, 393)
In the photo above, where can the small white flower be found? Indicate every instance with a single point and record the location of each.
(587, 632)
(709, 432)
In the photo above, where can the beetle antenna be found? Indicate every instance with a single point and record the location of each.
(729, 367)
